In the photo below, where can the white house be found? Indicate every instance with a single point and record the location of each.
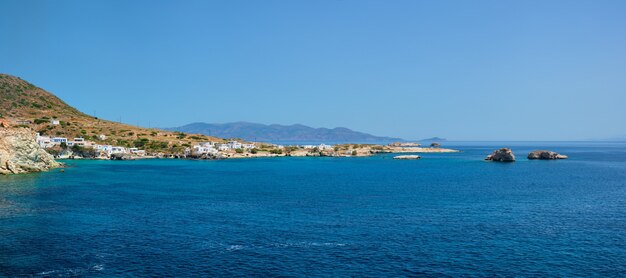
(104, 148)
(54, 122)
(223, 147)
(44, 141)
(204, 148)
(77, 141)
(234, 145)
(59, 140)
(137, 151)
(248, 146)
(322, 147)
(207, 144)
(116, 149)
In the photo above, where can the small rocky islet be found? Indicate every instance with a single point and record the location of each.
(546, 155)
(506, 155)
(407, 157)
(501, 155)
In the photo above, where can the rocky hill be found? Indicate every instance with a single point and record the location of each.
(282, 133)
(23, 104)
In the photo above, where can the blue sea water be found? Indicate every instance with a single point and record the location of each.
(443, 215)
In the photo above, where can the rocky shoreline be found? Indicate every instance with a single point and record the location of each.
(20, 153)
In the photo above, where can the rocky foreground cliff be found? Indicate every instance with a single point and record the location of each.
(20, 153)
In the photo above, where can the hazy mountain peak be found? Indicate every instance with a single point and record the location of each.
(281, 133)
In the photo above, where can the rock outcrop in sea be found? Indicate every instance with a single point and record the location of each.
(407, 157)
(122, 156)
(20, 153)
(502, 155)
(547, 155)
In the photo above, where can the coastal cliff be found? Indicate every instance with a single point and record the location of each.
(20, 153)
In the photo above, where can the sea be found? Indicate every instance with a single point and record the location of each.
(445, 215)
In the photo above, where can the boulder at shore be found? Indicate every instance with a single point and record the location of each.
(502, 155)
(121, 156)
(407, 157)
(545, 155)
(20, 153)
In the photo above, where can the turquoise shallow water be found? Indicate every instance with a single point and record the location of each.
(447, 214)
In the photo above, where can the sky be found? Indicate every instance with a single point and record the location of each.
(462, 70)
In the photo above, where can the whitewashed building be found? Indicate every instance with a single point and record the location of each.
(323, 147)
(234, 145)
(44, 141)
(78, 142)
(137, 151)
(248, 146)
(59, 140)
(104, 148)
(205, 148)
(116, 149)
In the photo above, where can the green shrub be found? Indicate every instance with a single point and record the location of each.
(84, 152)
(141, 142)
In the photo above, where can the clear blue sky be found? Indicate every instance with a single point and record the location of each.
(465, 70)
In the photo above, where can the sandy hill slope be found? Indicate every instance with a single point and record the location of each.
(24, 104)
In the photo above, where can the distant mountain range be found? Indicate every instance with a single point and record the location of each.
(434, 139)
(282, 133)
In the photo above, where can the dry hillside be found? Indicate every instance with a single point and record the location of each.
(22, 103)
